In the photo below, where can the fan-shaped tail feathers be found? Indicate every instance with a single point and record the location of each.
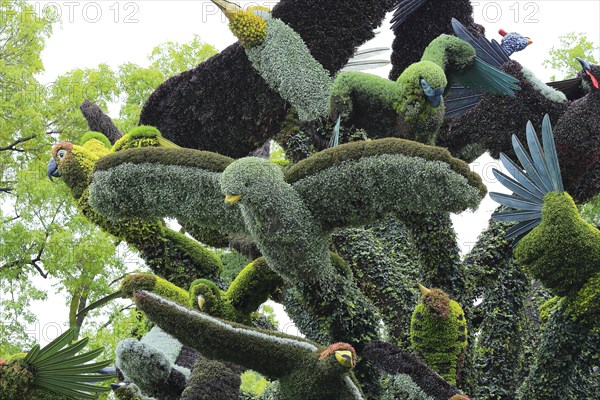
(404, 9)
(540, 175)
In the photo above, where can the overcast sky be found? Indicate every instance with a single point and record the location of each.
(111, 32)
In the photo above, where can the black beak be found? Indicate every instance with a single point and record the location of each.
(115, 386)
(584, 64)
(52, 170)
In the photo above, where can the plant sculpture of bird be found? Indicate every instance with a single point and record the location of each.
(290, 216)
(413, 106)
(554, 243)
(54, 372)
(577, 141)
(438, 332)
(304, 369)
(169, 253)
(207, 107)
(281, 57)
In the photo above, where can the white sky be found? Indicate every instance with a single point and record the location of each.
(115, 32)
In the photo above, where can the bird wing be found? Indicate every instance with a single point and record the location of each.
(539, 175)
(572, 88)
(154, 182)
(459, 100)
(483, 76)
(270, 353)
(404, 9)
(359, 182)
(490, 52)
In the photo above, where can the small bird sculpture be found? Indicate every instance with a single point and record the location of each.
(438, 333)
(304, 369)
(413, 106)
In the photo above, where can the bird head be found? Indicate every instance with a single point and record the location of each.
(436, 301)
(74, 164)
(205, 295)
(423, 82)
(513, 41)
(250, 25)
(249, 179)
(340, 353)
(590, 74)
(142, 136)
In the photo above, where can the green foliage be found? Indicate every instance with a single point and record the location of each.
(366, 100)
(383, 264)
(294, 361)
(585, 306)
(15, 380)
(172, 58)
(160, 191)
(440, 338)
(449, 53)
(564, 250)
(233, 263)
(153, 283)
(562, 58)
(211, 162)
(400, 386)
(559, 356)
(95, 135)
(285, 63)
(353, 151)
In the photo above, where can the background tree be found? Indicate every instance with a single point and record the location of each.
(563, 57)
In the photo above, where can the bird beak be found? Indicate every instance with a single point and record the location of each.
(529, 41)
(52, 170)
(115, 386)
(435, 98)
(424, 290)
(231, 199)
(229, 9)
(584, 64)
(201, 301)
(344, 357)
(587, 69)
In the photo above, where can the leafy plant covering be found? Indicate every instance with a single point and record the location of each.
(54, 372)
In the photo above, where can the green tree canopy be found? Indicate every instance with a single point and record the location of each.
(562, 58)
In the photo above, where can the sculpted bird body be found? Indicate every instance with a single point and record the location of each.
(290, 216)
(413, 107)
(304, 369)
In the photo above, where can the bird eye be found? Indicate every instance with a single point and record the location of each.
(61, 153)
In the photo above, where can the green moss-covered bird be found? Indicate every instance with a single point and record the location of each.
(555, 244)
(413, 106)
(438, 332)
(281, 57)
(169, 253)
(304, 369)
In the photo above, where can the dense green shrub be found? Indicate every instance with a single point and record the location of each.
(438, 333)
(564, 250)
(287, 66)
(292, 360)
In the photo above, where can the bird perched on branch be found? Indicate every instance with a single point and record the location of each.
(413, 106)
(281, 57)
(304, 369)
(438, 333)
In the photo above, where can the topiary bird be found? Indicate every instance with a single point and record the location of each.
(438, 333)
(304, 369)
(513, 42)
(413, 107)
(290, 216)
(208, 106)
(553, 242)
(280, 56)
(168, 253)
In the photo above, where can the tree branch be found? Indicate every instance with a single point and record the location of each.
(12, 146)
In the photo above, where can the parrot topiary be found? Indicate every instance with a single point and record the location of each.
(168, 253)
(438, 333)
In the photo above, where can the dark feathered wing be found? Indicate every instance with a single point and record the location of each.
(404, 9)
